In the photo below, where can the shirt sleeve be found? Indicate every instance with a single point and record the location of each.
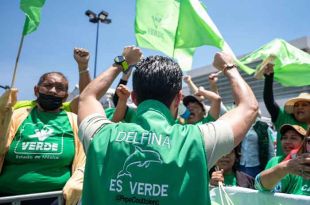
(218, 139)
(89, 127)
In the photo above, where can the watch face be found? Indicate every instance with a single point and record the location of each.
(119, 59)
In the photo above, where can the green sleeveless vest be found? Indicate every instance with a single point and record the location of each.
(150, 161)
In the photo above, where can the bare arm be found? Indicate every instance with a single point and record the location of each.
(123, 94)
(299, 166)
(81, 56)
(193, 88)
(124, 81)
(243, 115)
(213, 78)
(89, 99)
(215, 101)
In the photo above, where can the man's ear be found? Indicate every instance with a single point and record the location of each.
(134, 98)
(178, 98)
(36, 91)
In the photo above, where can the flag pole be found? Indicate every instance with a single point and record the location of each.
(17, 59)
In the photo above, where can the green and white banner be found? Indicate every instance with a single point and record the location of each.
(244, 196)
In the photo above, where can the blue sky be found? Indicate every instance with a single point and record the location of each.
(245, 25)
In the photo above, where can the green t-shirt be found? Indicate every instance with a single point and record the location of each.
(297, 185)
(285, 118)
(230, 179)
(40, 156)
(129, 116)
(150, 161)
(274, 161)
(204, 120)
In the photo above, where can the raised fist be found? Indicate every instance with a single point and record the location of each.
(221, 60)
(81, 56)
(132, 54)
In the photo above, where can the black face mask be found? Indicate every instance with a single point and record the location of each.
(49, 102)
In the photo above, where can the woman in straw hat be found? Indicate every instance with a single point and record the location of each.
(291, 174)
(296, 110)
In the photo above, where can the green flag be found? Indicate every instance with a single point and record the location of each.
(32, 9)
(176, 27)
(291, 65)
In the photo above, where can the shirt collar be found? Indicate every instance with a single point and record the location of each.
(157, 106)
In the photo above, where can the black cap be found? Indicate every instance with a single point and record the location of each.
(193, 99)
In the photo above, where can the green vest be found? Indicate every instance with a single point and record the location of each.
(285, 118)
(40, 156)
(150, 161)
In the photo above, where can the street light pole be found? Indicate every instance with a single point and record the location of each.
(96, 50)
(102, 17)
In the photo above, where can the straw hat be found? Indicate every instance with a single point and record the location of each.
(289, 105)
(284, 128)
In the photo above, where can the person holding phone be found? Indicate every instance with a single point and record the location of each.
(289, 176)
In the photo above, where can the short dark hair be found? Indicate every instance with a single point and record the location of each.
(158, 78)
(44, 76)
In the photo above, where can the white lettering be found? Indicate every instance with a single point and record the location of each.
(32, 146)
(164, 190)
(140, 189)
(25, 145)
(54, 147)
(121, 136)
(133, 188)
(131, 137)
(156, 192)
(158, 139)
(50, 156)
(167, 142)
(305, 188)
(39, 146)
(145, 138)
(112, 184)
(147, 189)
(119, 187)
(47, 146)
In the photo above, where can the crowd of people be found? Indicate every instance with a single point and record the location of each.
(152, 154)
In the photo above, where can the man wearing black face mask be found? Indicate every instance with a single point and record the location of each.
(43, 152)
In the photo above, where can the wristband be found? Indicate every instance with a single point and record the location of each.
(229, 66)
(84, 71)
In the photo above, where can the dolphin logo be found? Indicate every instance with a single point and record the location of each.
(140, 158)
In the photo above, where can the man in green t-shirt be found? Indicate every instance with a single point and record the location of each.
(153, 160)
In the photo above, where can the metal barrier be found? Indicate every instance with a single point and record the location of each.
(15, 200)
